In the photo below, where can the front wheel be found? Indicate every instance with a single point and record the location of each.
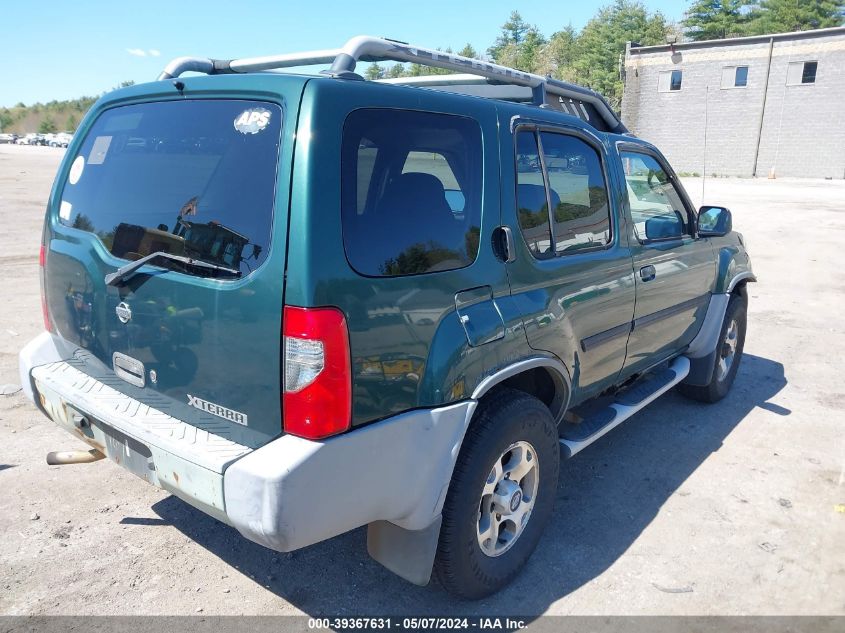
(501, 495)
(728, 354)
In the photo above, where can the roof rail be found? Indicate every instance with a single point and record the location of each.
(368, 49)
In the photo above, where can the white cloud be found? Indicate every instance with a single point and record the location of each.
(137, 52)
(154, 52)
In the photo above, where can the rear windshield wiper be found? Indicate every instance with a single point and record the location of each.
(124, 272)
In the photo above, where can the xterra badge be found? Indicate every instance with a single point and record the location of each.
(252, 121)
(215, 409)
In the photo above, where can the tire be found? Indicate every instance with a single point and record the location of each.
(722, 377)
(514, 429)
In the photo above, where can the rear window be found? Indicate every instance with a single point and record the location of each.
(194, 178)
(410, 191)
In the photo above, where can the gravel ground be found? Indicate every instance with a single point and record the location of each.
(734, 508)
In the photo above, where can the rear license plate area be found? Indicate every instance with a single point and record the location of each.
(128, 452)
(122, 449)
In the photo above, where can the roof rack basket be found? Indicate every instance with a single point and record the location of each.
(370, 49)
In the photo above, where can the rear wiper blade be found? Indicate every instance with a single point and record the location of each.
(124, 272)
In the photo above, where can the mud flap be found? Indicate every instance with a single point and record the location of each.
(407, 553)
(703, 348)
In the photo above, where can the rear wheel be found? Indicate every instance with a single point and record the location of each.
(500, 497)
(728, 354)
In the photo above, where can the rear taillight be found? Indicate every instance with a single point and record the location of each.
(317, 391)
(42, 274)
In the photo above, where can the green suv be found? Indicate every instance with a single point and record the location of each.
(309, 303)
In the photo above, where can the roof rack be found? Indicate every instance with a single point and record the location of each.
(370, 49)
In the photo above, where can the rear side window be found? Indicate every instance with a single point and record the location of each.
(579, 195)
(194, 178)
(566, 171)
(531, 202)
(410, 191)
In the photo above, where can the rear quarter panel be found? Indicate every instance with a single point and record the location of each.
(408, 346)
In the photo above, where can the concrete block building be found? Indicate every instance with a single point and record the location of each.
(757, 105)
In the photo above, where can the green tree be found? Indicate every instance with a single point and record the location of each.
(47, 125)
(519, 45)
(513, 32)
(416, 70)
(558, 56)
(597, 58)
(784, 16)
(374, 71)
(468, 51)
(71, 123)
(529, 51)
(5, 120)
(395, 71)
(718, 19)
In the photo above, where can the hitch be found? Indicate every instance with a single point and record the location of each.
(58, 458)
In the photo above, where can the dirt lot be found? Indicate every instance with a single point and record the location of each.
(734, 508)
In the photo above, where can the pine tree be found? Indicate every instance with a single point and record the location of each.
(468, 51)
(784, 16)
(373, 72)
(558, 56)
(47, 126)
(601, 44)
(396, 71)
(718, 19)
(519, 44)
(513, 32)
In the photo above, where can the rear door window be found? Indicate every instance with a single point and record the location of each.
(579, 193)
(194, 178)
(531, 202)
(567, 172)
(410, 191)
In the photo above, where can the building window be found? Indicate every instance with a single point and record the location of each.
(808, 75)
(734, 76)
(798, 73)
(669, 81)
(675, 84)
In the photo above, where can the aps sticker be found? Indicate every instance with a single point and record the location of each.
(252, 121)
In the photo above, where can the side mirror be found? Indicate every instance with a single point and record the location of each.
(714, 221)
(663, 227)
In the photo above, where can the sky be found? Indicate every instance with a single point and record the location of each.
(56, 49)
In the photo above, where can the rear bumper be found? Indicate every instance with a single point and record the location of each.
(294, 492)
(287, 494)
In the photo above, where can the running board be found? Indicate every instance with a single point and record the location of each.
(576, 437)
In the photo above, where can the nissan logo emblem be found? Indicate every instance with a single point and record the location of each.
(123, 311)
(516, 499)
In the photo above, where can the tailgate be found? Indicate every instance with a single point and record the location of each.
(196, 330)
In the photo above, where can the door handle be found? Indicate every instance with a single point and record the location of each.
(647, 273)
(503, 244)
